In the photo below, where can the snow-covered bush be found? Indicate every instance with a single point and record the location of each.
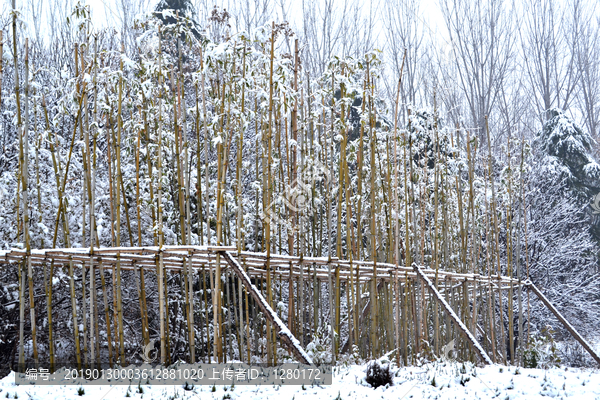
(319, 349)
(542, 350)
(350, 358)
(379, 374)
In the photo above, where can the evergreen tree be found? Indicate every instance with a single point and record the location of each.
(181, 8)
(563, 234)
(569, 148)
(184, 7)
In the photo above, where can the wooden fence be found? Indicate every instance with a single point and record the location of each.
(351, 308)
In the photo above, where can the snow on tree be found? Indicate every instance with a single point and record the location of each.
(571, 146)
(562, 240)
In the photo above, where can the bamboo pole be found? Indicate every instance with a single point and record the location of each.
(240, 203)
(39, 146)
(292, 159)
(86, 191)
(25, 180)
(117, 145)
(301, 310)
(142, 294)
(86, 358)
(436, 259)
(416, 319)
(268, 189)
(200, 217)
(407, 239)
(495, 237)
(374, 293)
(258, 157)
(228, 353)
(360, 158)
(217, 307)
(340, 188)
(206, 319)
(509, 258)
(185, 180)
(490, 300)
(74, 313)
(20, 181)
(175, 88)
(518, 258)
(473, 254)
(237, 299)
(142, 297)
(405, 315)
(160, 269)
(167, 317)
(93, 320)
(390, 321)
(329, 223)
(51, 346)
(106, 312)
(350, 285)
(222, 162)
(91, 179)
(214, 307)
(205, 128)
(113, 275)
(396, 212)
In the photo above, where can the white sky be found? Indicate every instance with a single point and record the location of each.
(108, 13)
(107, 10)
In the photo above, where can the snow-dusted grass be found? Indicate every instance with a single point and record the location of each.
(430, 381)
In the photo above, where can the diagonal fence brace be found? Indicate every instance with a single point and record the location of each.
(563, 320)
(482, 354)
(282, 331)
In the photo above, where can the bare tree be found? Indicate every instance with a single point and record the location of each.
(482, 49)
(404, 31)
(359, 29)
(549, 41)
(35, 11)
(322, 31)
(256, 13)
(588, 66)
(128, 10)
(61, 36)
(245, 14)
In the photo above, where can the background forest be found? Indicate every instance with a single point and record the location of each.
(343, 129)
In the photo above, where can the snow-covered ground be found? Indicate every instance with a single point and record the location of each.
(430, 381)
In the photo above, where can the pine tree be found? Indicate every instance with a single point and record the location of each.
(570, 148)
(184, 7)
(179, 8)
(566, 155)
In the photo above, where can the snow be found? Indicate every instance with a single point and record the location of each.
(445, 380)
(592, 169)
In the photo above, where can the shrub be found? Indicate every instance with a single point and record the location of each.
(542, 351)
(378, 375)
(319, 349)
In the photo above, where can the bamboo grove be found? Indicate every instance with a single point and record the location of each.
(207, 139)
